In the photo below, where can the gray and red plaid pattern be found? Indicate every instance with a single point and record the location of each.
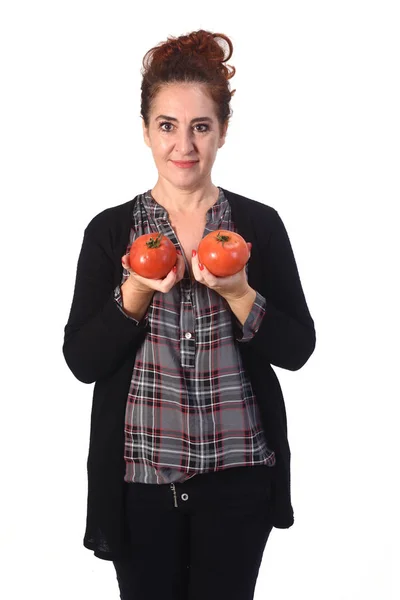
(190, 407)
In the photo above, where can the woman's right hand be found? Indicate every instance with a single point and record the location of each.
(143, 285)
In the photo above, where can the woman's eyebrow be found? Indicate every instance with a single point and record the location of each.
(192, 121)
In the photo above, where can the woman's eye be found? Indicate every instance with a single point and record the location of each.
(202, 125)
(167, 127)
(162, 126)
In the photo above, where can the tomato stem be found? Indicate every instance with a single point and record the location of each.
(154, 243)
(222, 238)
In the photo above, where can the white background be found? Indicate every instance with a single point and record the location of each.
(315, 134)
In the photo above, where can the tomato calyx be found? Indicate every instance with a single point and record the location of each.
(222, 238)
(154, 243)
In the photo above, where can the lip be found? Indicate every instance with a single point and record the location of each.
(185, 164)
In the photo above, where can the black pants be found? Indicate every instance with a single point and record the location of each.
(209, 547)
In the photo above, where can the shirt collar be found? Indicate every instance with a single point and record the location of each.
(214, 213)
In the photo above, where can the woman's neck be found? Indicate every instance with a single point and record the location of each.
(185, 201)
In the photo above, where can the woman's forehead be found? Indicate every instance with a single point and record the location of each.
(183, 99)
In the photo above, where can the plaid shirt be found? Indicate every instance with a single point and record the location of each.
(190, 407)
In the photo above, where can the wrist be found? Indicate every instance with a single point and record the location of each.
(135, 302)
(241, 305)
(131, 287)
(241, 295)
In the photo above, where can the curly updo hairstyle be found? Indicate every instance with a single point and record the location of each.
(193, 58)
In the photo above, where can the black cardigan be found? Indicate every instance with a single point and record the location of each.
(100, 344)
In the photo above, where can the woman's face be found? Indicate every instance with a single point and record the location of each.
(183, 126)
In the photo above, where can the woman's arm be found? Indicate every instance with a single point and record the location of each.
(286, 336)
(98, 336)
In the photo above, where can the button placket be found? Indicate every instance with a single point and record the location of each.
(165, 227)
(187, 320)
(187, 327)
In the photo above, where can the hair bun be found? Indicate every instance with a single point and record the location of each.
(203, 46)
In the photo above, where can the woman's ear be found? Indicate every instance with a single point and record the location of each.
(222, 138)
(145, 134)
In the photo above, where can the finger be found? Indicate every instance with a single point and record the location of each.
(149, 281)
(181, 266)
(195, 267)
(164, 285)
(249, 246)
(161, 285)
(207, 276)
(202, 274)
(125, 263)
(169, 281)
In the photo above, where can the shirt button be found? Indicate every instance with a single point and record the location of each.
(184, 496)
(188, 335)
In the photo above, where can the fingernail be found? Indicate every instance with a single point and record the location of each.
(179, 252)
(250, 245)
(193, 252)
(201, 267)
(174, 269)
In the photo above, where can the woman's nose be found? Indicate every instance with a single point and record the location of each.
(184, 143)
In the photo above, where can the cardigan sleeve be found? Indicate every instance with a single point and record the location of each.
(286, 335)
(245, 332)
(98, 337)
(118, 300)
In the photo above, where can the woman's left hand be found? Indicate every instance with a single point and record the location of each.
(231, 288)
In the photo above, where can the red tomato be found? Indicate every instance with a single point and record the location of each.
(152, 255)
(223, 252)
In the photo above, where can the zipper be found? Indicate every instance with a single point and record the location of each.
(172, 486)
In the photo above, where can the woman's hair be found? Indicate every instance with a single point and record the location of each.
(193, 58)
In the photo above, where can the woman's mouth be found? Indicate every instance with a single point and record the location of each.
(185, 164)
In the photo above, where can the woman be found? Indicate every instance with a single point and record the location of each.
(189, 462)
